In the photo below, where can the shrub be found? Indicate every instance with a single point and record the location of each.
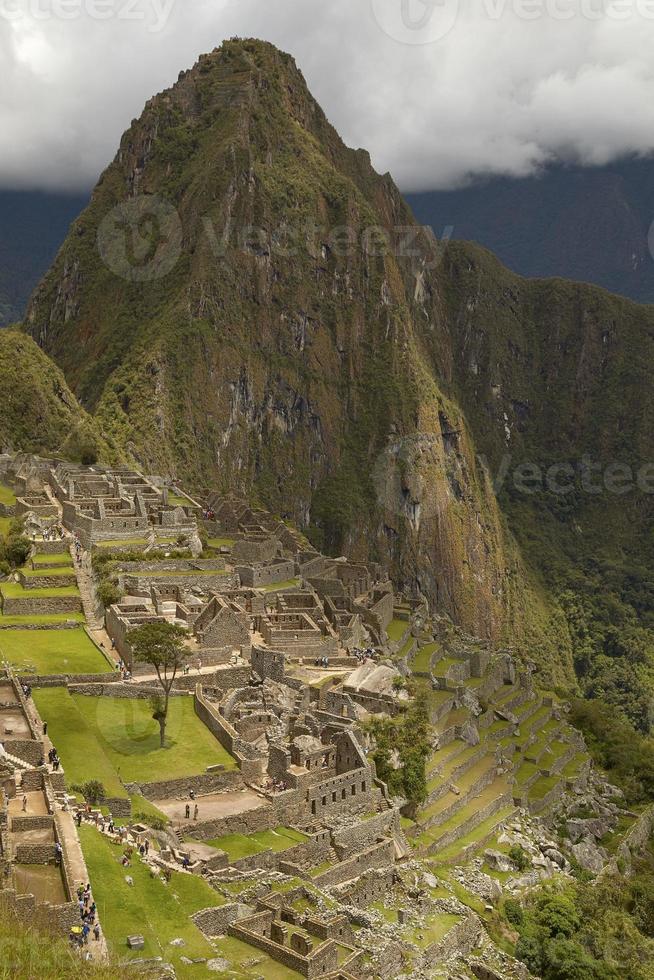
(520, 857)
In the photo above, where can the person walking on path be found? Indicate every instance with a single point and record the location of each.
(188, 811)
(195, 812)
(24, 802)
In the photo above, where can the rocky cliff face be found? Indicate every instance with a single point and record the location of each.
(246, 303)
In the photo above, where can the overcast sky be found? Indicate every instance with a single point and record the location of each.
(435, 89)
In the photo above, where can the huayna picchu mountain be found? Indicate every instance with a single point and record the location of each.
(246, 304)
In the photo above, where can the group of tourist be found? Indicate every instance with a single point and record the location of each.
(123, 669)
(79, 935)
(27, 690)
(274, 785)
(208, 515)
(53, 759)
(54, 533)
(363, 656)
(321, 662)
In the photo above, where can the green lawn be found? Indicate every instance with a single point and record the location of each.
(14, 590)
(396, 629)
(81, 753)
(290, 583)
(178, 500)
(422, 660)
(238, 846)
(130, 738)
(122, 543)
(7, 496)
(53, 651)
(158, 912)
(5, 524)
(44, 620)
(55, 572)
(60, 559)
(220, 542)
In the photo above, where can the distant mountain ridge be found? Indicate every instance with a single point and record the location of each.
(589, 224)
(33, 225)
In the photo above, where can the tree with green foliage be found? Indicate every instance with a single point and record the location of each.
(161, 646)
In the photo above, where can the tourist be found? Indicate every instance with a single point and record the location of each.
(147, 847)
(24, 802)
(188, 811)
(96, 932)
(58, 854)
(195, 812)
(78, 818)
(45, 728)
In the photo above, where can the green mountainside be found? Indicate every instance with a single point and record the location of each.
(39, 413)
(298, 378)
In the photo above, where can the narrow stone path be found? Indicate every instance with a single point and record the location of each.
(86, 584)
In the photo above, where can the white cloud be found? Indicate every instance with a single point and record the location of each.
(435, 89)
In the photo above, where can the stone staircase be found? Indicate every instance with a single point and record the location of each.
(93, 609)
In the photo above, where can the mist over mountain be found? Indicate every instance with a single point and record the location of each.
(590, 224)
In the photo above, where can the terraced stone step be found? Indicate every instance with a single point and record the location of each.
(471, 784)
(477, 836)
(453, 770)
(495, 797)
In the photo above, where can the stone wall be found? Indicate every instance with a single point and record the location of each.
(350, 840)
(41, 606)
(45, 581)
(29, 750)
(34, 853)
(203, 784)
(216, 921)
(373, 886)
(381, 855)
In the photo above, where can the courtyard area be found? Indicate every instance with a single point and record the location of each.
(116, 741)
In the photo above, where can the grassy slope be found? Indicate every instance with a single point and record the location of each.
(53, 651)
(40, 413)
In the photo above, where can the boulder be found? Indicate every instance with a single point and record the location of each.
(498, 861)
(589, 856)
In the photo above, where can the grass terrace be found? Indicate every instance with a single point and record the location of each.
(60, 559)
(5, 523)
(51, 652)
(123, 543)
(7, 496)
(14, 590)
(422, 661)
(55, 572)
(396, 629)
(290, 583)
(220, 543)
(51, 619)
(238, 846)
